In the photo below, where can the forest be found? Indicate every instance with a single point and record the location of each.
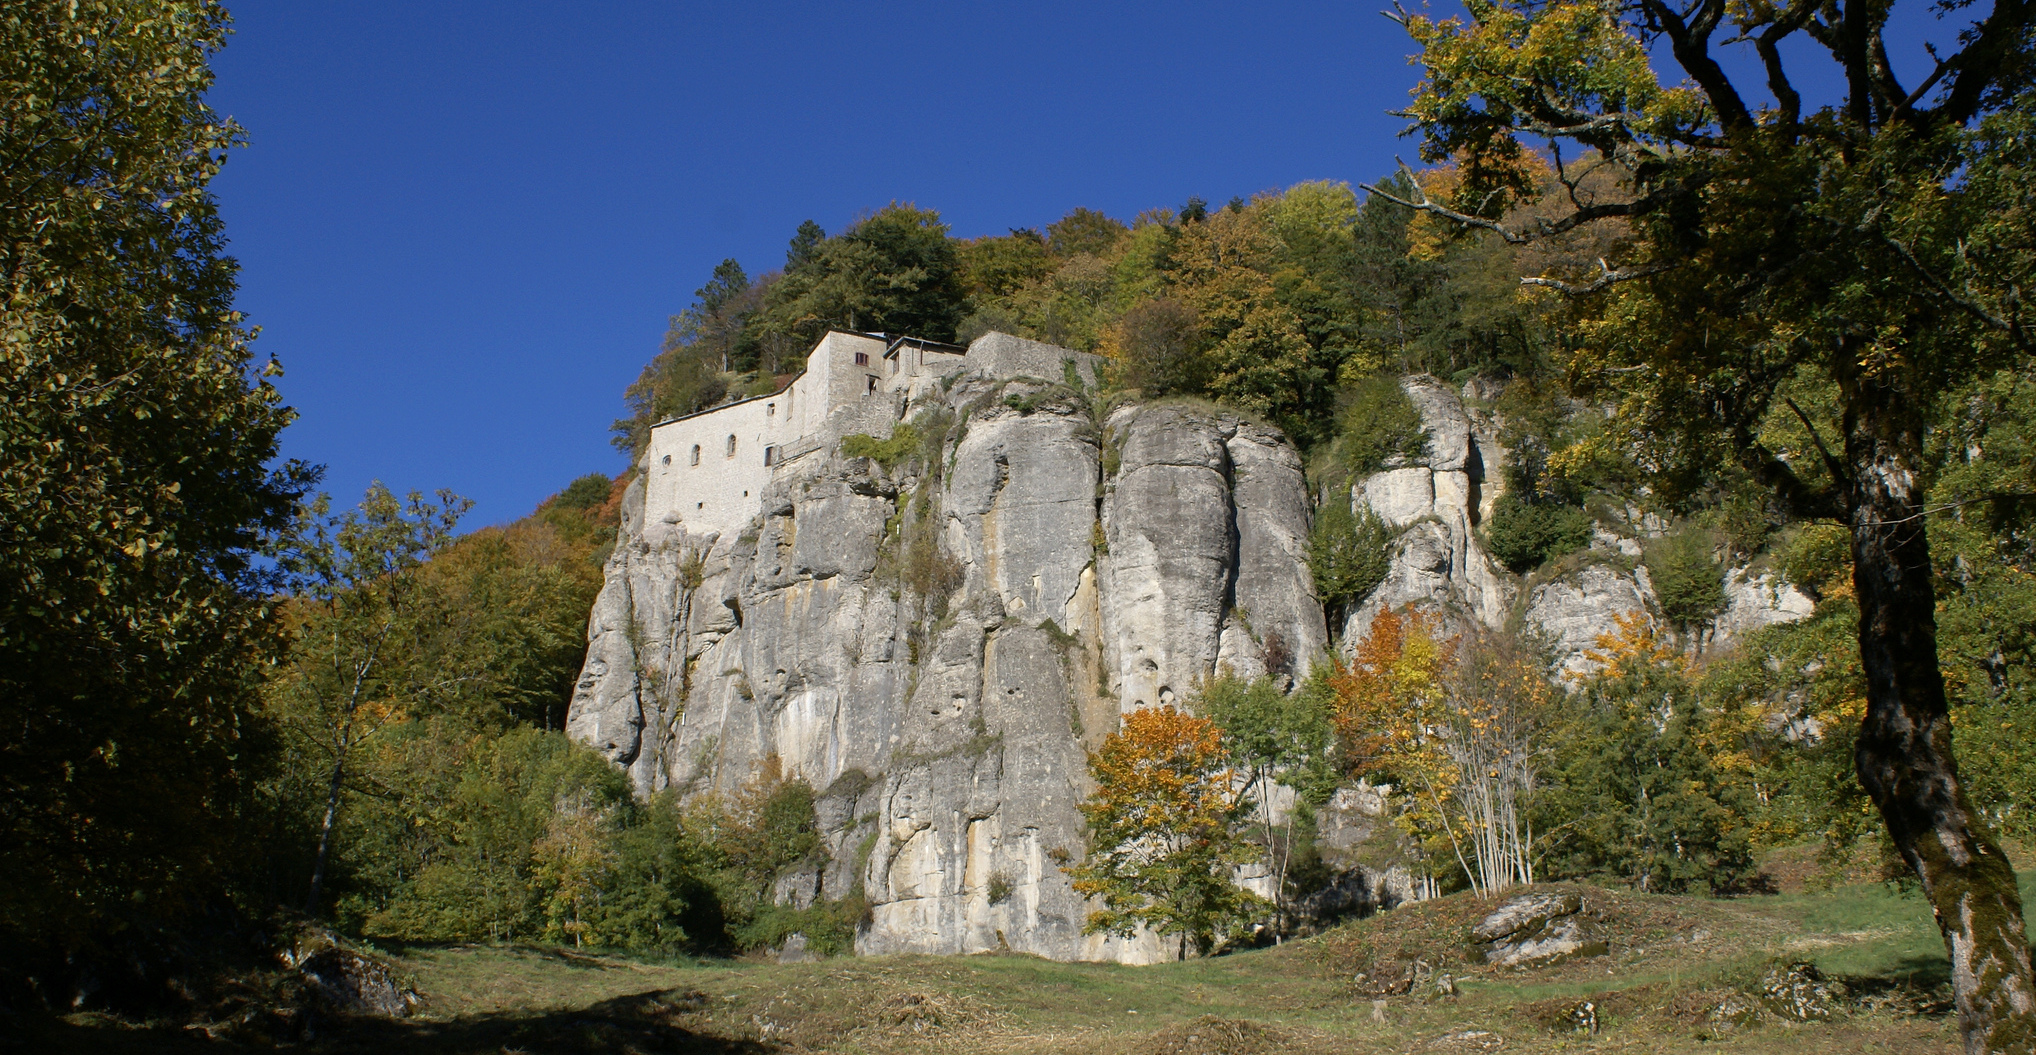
(1795, 343)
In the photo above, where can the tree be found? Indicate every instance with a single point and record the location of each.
(359, 586)
(1635, 793)
(1349, 552)
(1457, 724)
(1869, 253)
(895, 271)
(1157, 348)
(1163, 832)
(1278, 738)
(134, 494)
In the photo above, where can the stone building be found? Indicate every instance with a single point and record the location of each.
(705, 473)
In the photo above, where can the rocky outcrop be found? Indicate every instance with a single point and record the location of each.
(1436, 501)
(1537, 930)
(936, 647)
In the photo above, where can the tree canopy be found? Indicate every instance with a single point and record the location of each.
(136, 436)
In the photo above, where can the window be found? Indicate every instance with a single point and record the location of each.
(731, 446)
(770, 455)
(862, 358)
(668, 459)
(873, 382)
(770, 410)
(696, 454)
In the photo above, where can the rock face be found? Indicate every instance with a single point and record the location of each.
(1082, 568)
(1436, 503)
(1535, 930)
(935, 646)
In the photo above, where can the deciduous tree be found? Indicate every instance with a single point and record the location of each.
(1163, 832)
(135, 492)
(1872, 251)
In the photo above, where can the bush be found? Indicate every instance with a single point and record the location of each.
(904, 443)
(1687, 579)
(1525, 535)
(1347, 551)
(1379, 426)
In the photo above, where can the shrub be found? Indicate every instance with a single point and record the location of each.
(1687, 579)
(1525, 535)
(1347, 551)
(1379, 426)
(904, 443)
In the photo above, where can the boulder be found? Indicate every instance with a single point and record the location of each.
(347, 980)
(1536, 930)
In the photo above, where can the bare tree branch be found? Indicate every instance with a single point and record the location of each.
(1541, 228)
(1607, 278)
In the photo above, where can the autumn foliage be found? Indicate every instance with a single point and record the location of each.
(1164, 832)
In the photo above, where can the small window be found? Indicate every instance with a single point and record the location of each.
(770, 410)
(668, 459)
(731, 446)
(770, 456)
(873, 382)
(696, 454)
(862, 358)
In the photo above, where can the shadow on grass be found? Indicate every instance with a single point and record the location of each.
(642, 1024)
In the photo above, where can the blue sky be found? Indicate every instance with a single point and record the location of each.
(462, 226)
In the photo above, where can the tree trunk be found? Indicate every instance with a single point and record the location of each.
(1904, 753)
(325, 833)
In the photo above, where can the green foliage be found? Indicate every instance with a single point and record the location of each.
(1380, 428)
(1527, 534)
(1084, 231)
(1348, 552)
(1279, 738)
(135, 495)
(1816, 557)
(1633, 794)
(585, 493)
(1688, 582)
(895, 271)
(905, 442)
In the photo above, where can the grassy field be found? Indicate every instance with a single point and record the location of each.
(1675, 962)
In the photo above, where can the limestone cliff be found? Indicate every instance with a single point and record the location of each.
(934, 646)
(1083, 566)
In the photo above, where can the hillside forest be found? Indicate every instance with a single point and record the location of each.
(236, 695)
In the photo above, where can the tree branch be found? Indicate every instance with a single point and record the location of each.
(1607, 278)
(1979, 64)
(1831, 464)
(1691, 43)
(1585, 214)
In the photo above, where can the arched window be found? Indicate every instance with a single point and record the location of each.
(696, 454)
(731, 446)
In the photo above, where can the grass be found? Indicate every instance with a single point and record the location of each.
(1674, 960)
